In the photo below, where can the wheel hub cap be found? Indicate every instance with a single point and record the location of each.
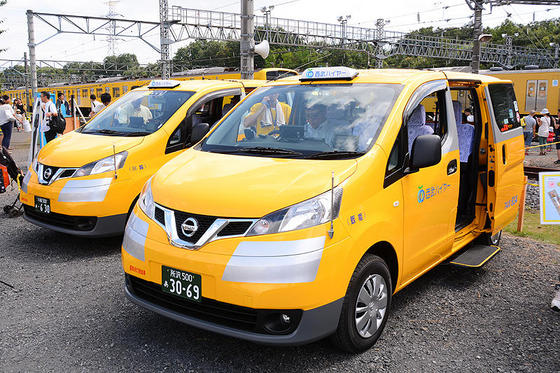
(371, 305)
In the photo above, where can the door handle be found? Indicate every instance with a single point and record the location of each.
(452, 167)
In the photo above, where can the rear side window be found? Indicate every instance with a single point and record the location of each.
(504, 106)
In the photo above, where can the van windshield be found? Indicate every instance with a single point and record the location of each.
(137, 113)
(326, 121)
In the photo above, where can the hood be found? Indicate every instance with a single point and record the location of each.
(242, 186)
(75, 149)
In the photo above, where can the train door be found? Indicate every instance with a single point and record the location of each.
(536, 95)
(505, 155)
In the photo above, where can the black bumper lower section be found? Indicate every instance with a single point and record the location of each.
(88, 226)
(236, 321)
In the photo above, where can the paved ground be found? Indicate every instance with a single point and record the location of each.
(63, 309)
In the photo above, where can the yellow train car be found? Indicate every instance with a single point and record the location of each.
(118, 86)
(534, 89)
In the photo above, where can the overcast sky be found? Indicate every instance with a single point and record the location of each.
(403, 16)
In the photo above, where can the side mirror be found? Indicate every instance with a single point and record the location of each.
(426, 152)
(199, 130)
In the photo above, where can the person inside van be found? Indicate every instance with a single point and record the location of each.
(267, 115)
(135, 110)
(417, 125)
(316, 125)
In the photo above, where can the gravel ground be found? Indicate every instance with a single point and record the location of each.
(63, 309)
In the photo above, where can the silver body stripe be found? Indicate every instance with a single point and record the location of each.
(85, 190)
(275, 262)
(26, 181)
(135, 236)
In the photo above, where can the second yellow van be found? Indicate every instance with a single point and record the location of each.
(86, 182)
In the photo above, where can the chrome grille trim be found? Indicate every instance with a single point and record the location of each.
(210, 235)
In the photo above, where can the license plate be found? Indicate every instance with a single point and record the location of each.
(181, 283)
(43, 205)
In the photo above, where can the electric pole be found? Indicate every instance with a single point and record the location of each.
(31, 45)
(164, 39)
(475, 63)
(247, 44)
(380, 31)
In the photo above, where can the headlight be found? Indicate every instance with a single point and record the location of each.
(146, 200)
(314, 211)
(103, 165)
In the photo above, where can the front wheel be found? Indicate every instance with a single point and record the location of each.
(366, 306)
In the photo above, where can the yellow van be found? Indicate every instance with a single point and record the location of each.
(87, 181)
(370, 179)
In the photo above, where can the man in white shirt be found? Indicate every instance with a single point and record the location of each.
(135, 109)
(317, 127)
(96, 106)
(7, 119)
(46, 112)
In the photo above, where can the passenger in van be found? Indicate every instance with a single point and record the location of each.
(267, 115)
(465, 133)
(135, 109)
(416, 125)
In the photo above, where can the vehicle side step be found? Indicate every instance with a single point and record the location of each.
(475, 256)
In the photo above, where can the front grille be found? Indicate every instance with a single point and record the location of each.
(49, 172)
(67, 173)
(204, 222)
(208, 309)
(235, 228)
(77, 223)
(160, 216)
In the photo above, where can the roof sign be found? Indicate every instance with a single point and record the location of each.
(329, 73)
(164, 83)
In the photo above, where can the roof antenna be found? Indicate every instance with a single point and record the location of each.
(115, 161)
(331, 231)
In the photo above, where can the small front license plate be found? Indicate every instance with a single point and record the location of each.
(181, 283)
(43, 205)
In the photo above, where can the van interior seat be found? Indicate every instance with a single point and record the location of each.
(416, 125)
(465, 133)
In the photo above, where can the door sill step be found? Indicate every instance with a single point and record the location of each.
(474, 256)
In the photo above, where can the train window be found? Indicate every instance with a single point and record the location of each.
(84, 93)
(78, 97)
(99, 92)
(116, 92)
(124, 89)
(504, 106)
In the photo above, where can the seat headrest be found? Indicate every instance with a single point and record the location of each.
(418, 116)
(458, 110)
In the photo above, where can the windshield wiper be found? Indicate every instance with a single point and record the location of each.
(137, 133)
(334, 155)
(263, 150)
(103, 131)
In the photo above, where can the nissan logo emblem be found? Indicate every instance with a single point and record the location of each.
(189, 227)
(47, 173)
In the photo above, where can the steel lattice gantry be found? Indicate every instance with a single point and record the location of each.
(212, 25)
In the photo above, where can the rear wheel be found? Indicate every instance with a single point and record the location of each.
(366, 306)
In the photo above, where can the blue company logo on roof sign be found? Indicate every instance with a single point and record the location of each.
(157, 83)
(319, 73)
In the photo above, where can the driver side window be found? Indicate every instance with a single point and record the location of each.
(428, 117)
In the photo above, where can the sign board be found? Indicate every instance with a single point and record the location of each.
(549, 187)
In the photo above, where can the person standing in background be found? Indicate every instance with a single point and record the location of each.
(47, 110)
(557, 140)
(96, 106)
(529, 129)
(105, 100)
(62, 103)
(7, 119)
(544, 124)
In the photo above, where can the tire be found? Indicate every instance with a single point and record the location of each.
(353, 334)
(489, 239)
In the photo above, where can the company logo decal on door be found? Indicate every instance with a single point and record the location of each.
(431, 192)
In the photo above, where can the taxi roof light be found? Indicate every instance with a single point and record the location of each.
(329, 73)
(158, 83)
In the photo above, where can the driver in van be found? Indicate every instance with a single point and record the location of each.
(268, 115)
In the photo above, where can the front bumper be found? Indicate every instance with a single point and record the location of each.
(313, 325)
(106, 226)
